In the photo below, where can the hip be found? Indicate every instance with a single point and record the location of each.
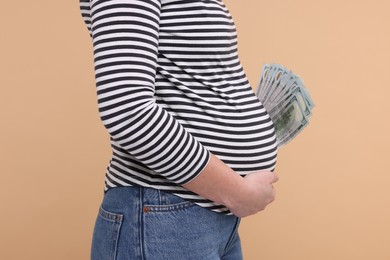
(135, 222)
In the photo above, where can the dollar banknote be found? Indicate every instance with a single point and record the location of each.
(286, 99)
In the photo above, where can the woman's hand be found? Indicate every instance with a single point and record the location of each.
(243, 196)
(257, 194)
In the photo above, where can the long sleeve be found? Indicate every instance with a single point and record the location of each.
(125, 42)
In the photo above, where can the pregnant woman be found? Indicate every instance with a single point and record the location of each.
(194, 150)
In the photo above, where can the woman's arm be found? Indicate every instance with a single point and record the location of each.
(242, 196)
(125, 37)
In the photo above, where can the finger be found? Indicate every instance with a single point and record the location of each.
(275, 178)
(273, 196)
(271, 177)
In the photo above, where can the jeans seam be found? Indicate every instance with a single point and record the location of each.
(232, 235)
(116, 219)
(117, 231)
(110, 216)
(140, 220)
(168, 207)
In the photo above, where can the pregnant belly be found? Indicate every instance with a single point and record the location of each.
(240, 134)
(245, 143)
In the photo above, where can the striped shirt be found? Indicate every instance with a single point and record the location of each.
(171, 90)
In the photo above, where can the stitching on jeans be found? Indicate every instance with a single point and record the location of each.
(168, 207)
(116, 218)
(110, 216)
(118, 233)
(233, 235)
(140, 220)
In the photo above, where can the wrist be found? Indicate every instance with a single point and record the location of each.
(235, 194)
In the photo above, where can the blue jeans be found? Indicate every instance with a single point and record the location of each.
(135, 223)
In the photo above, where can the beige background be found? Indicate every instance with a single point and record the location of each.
(333, 193)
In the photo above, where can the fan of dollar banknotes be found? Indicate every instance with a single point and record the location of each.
(286, 99)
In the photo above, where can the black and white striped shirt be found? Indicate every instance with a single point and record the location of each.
(171, 89)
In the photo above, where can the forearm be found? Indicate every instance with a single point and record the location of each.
(219, 183)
